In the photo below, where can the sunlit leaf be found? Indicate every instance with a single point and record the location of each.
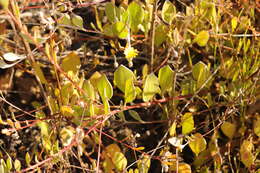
(201, 73)
(197, 143)
(187, 123)
(135, 14)
(120, 161)
(130, 92)
(120, 30)
(246, 154)
(228, 129)
(17, 165)
(105, 90)
(71, 62)
(112, 12)
(202, 38)
(77, 21)
(151, 87)
(168, 12)
(234, 23)
(114, 158)
(182, 167)
(172, 129)
(39, 73)
(9, 163)
(65, 20)
(121, 75)
(160, 35)
(27, 158)
(166, 76)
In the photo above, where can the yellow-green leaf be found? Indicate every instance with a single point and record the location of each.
(120, 161)
(166, 76)
(151, 87)
(39, 73)
(197, 143)
(77, 21)
(71, 62)
(228, 129)
(187, 123)
(130, 92)
(202, 38)
(168, 12)
(234, 23)
(17, 165)
(246, 154)
(121, 75)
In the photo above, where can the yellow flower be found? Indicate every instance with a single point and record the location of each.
(130, 53)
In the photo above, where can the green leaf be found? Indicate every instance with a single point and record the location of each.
(257, 126)
(120, 30)
(246, 154)
(160, 35)
(136, 15)
(228, 129)
(105, 90)
(202, 38)
(168, 12)
(234, 23)
(71, 62)
(121, 75)
(3, 167)
(135, 115)
(197, 143)
(65, 20)
(112, 12)
(27, 158)
(187, 123)
(17, 165)
(9, 164)
(151, 87)
(38, 72)
(77, 21)
(130, 92)
(201, 73)
(120, 161)
(166, 77)
(89, 89)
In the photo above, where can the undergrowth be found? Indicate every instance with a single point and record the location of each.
(129, 86)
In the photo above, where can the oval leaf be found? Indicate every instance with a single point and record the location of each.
(197, 143)
(246, 154)
(130, 92)
(136, 15)
(166, 75)
(202, 38)
(120, 30)
(187, 123)
(168, 12)
(104, 87)
(71, 62)
(151, 87)
(228, 129)
(121, 75)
